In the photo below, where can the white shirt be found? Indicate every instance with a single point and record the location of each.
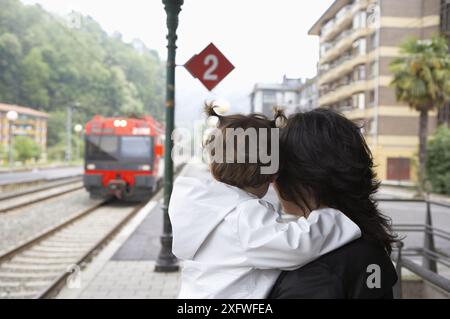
(233, 244)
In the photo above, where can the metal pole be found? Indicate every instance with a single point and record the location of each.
(11, 145)
(428, 243)
(78, 146)
(397, 290)
(69, 135)
(166, 261)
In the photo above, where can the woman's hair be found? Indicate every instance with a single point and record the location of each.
(247, 174)
(326, 161)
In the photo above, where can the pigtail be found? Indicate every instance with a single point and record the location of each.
(279, 118)
(209, 110)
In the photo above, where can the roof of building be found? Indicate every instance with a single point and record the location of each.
(274, 86)
(327, 15)
(310, 81)
(22, 110)
(288, 84)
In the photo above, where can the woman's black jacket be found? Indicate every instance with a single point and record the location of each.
(360, 269)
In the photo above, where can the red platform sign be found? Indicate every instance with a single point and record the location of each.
(209, 66)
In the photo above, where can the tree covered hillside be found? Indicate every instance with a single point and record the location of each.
(48, 64)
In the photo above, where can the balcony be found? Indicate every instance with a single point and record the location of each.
(345, 92)
(342, 19)
(343, 43)
(332, 30)
(329, 46)
(345, 66)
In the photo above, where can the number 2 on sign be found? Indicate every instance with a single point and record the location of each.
(212, 61)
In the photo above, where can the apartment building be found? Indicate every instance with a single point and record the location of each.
(294, 95)
(356, 49)
(30, 123)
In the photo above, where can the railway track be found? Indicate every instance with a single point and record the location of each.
(12, 201)
(38, 267)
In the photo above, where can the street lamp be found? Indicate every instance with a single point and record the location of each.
(78, 128)
(70, 108)
(166, 261)
(12, 117)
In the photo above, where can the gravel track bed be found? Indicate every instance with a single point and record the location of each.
(7, 204)
(28, 222)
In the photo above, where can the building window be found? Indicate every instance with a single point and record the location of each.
(371, 98)
(359, 47)
(359, 20)
(373, 69)
(359, 73)
(343, 12)
(269, 97)
(324, 68)
(345, 105)
(327, 27)
(359, 101)
(325, 47)
(398, 169)
(374, 40)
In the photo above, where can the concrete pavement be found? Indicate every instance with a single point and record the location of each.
(133, 277)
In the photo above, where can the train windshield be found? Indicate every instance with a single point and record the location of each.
(118, 148)
(102, 148)
(136, 147)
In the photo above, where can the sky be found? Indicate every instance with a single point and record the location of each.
(263, 39)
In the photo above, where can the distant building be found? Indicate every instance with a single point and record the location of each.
(308, 95)
(31, 123)
(354, 76)
(293, 95)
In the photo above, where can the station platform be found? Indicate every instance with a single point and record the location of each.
(124, 269)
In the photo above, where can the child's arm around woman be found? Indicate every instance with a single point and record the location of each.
(270, 244)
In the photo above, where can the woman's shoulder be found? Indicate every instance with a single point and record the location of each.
(361, 250)
(342, 273)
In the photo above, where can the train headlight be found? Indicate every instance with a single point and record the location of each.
(90, 166)
(144, 167)
(120, 123)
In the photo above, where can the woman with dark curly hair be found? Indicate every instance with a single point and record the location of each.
(327, 163)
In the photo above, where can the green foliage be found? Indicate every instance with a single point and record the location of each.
(56, 124)
(438, 161)
(48, 65)
(25, 148)
(57, 152)
(421, 79)
(421, 73)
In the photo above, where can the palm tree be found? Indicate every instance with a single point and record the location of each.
(422, 79)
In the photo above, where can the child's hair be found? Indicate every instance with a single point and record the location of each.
(240, 173)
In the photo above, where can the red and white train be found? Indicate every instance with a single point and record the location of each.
(123, 157)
